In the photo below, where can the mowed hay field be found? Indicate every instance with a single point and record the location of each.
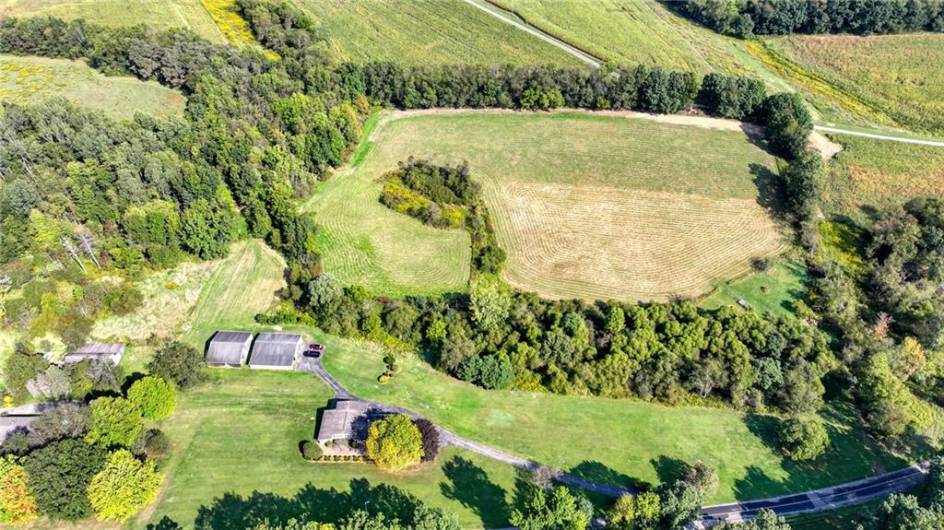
(878, 173)
(890, 78)
(159, 15)
(586, 205)
(427, 31)
(31, 80)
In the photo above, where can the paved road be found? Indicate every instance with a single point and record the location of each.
(847, 494)
(500, 14)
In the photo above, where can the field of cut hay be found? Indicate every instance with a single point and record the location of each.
(888, 78)
(30, 80)
(587, 206)
(431, 31)
(165, 14)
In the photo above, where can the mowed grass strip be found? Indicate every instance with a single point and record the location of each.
(586, 205)
(610, 440)
(163, 15)
(878, 173)
(240, 432)
(32, 80)
(886, 76)
(427, 31)
(244, 285)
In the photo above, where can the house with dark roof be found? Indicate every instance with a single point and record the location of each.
(276, 351)
(229, 348)
(343, 426)
(96, 351)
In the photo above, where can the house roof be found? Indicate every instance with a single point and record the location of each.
(338, 423)
(97, 350)
(228, 347)
(275, 349)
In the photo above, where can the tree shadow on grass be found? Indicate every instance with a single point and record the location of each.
(237, 512)
(602, 474)
(470, 486)
(669, 469)
(770, 194)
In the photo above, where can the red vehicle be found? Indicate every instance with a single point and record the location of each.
(314, 350)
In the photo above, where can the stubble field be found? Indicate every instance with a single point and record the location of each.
(587, 206)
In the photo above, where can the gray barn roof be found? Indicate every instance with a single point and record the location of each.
(229, 347)
(338, 423)
(97, 350)
(275, 349)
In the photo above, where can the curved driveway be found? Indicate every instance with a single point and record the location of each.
(847, 494)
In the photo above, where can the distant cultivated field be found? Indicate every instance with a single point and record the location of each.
(427, 31)
(587, 206)
(878, 173)
(30, 80)
(160, 15)
(634, 31)
(891, 78)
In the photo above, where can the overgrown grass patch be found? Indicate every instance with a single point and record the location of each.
(163, 15)
(32, 80)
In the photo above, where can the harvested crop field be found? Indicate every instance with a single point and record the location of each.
(31, 80)
(586, 205)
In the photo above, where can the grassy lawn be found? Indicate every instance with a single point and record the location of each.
(774, 290)
(31, 80)
(876, 173)
(239, 434)
(586, 205)
(166, 14)
(865, 80)
(428, 31)
(614, 441)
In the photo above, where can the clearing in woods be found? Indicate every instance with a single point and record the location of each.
(166, 14)
(31, 80)
(586, 205)
(432, 31)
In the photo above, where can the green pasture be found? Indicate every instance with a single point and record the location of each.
(610, 440)
(772, 290)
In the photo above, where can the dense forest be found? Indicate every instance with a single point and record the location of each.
(743, 18)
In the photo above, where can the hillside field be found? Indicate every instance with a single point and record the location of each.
(166, 14)
(587, 206)
(431, 31)
(31, 80)
(616, 441)
(887, 78)
(875, 173)
(239, 434)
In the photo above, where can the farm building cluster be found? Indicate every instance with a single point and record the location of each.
(272, 351)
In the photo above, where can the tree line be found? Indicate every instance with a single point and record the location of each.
(744, 18)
